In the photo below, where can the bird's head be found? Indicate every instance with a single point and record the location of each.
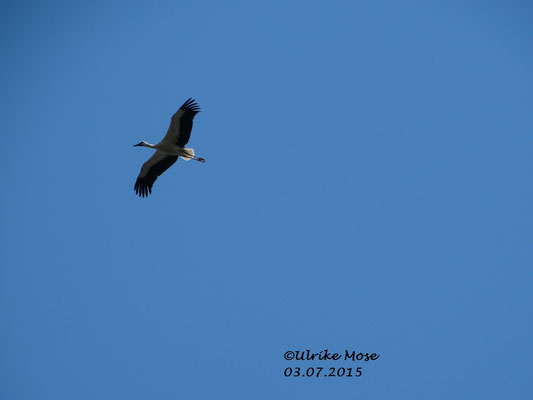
(143, 143)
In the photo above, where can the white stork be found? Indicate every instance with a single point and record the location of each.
(169, 149)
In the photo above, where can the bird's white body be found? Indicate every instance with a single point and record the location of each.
(166, 147)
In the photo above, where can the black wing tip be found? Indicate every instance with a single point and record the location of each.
(142, 189)
(191, 105)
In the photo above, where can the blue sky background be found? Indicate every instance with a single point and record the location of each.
(367, 187)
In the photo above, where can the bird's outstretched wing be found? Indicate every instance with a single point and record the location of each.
(180, 127)
(151, 169)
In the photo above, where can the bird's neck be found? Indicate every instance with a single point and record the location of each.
(152, 146)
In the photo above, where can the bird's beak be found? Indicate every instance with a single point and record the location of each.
(135, 145)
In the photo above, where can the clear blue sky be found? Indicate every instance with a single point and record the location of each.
(368, 186)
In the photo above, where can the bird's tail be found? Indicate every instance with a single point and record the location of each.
(188, 154)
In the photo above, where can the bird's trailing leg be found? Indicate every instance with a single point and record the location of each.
(188, 154)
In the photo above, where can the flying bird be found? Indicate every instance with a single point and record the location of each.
(169, 149)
